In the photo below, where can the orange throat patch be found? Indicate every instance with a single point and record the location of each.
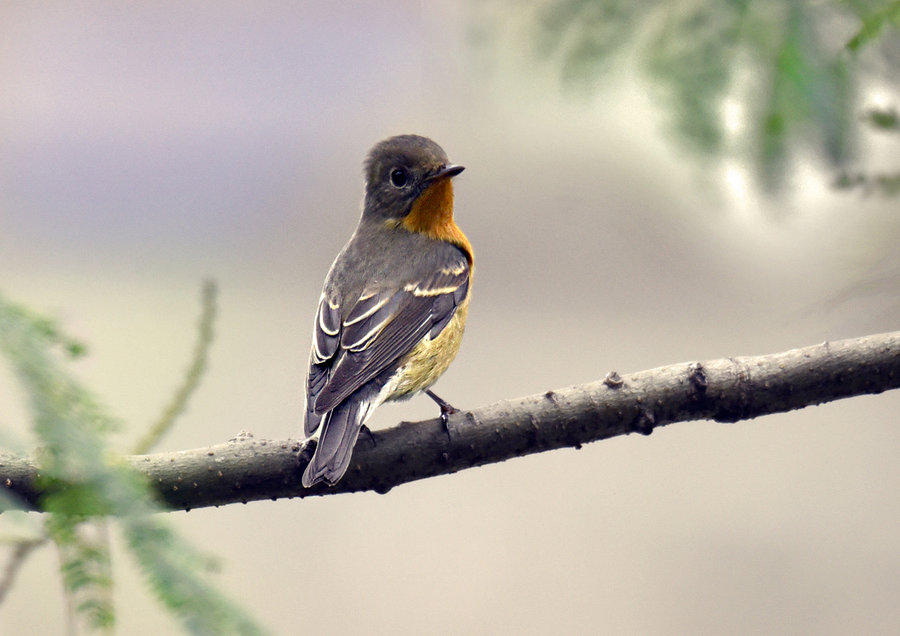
(432, 215)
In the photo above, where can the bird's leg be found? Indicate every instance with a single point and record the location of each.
(446, 408)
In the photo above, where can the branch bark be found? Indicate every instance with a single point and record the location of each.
(726, 390)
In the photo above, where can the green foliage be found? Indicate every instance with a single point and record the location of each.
(783, 60)
(588, 31)
(175, 572)
(693, 73)
(883, 119)
(874, 22)
(880, 183)
(808, 92)
(85, 565)
(87, 483)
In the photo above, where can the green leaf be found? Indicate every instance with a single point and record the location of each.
(873, 23)
(883, 119)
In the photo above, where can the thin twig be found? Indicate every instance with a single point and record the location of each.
(21, 551)
(192, 376)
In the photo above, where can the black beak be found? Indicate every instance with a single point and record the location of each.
(445, 172)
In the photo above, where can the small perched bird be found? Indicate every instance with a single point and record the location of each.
(391, 316)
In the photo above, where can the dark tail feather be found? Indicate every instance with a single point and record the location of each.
(311, 421)
(318, 377)
(340, 428)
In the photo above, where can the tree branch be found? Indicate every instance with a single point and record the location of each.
(727, 390)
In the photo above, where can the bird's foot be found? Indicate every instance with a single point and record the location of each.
(447, 409)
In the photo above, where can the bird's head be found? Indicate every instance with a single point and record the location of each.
(408, 181)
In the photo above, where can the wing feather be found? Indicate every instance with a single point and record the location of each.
(326, 335)
(382, 327)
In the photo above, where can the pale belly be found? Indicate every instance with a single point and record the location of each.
(429, 359)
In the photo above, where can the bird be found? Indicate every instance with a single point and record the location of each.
(393, 308)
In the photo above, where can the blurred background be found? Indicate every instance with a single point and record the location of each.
(645, 185)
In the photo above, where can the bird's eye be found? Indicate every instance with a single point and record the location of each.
(399, 178)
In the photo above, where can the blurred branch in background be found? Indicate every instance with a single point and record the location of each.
(796, 71)
(195, 371)
(21, 549)
(726, 390)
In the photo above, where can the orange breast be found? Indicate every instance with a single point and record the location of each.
(432, 215)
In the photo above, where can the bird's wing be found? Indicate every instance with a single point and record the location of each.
(382, 326)
(326, 341)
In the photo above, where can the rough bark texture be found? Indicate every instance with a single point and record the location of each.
(727, 390)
